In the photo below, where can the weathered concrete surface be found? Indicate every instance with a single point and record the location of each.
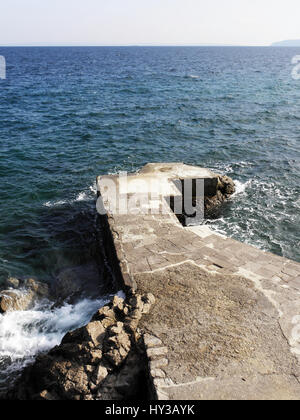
(226, 323)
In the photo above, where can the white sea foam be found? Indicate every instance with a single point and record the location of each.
(240, 187)
(87, 194)
(54, 203)
(82, 196)
(93, 188)
(23, 334)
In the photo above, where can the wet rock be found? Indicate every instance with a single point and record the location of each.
(73, 283)
(22, 295)
(225, 189)
(103, 360)
(13, 283)
(226, 186)
(16, 300)
(41, 290)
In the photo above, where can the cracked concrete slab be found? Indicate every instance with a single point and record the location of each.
(259, 387)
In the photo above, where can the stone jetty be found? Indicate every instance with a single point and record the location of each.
(226, 318)
(205, 317)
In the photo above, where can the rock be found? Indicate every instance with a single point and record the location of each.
(75, 380)
(158, 352)
(40, 289)
(104, 313)
(158, 373)
(151, 341)
(136, 302)
(22, 294)
(95, 357)
(93, 333)
(73, 283)
(16, 300)
(128, 383)
(117, 348)
(100, 374)
(149, 301)
(226, 186)
(131, 325)
(116, 329)
(13, 283)
(46, 396)
(118, 303)
(92, 362)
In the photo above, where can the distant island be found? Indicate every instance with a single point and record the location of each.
(288, 43)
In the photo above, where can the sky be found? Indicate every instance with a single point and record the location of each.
(148, 22)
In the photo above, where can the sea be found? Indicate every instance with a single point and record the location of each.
(68, 114)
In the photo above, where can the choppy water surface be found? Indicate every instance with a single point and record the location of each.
(69, 114)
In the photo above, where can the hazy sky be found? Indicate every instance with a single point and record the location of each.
(123, 22)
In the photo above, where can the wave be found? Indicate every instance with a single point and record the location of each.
(55, 203)
(193, 76)
(240, 187)
(262, 213)
(85, 195)
(25, 334)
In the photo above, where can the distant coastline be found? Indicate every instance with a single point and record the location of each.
(287, 43)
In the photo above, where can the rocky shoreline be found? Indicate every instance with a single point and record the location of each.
(105, 360)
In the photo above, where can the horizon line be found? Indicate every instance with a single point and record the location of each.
(128, 45)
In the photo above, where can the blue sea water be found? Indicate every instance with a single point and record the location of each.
(69, 114)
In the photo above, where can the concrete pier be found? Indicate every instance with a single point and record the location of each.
(226, 323)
